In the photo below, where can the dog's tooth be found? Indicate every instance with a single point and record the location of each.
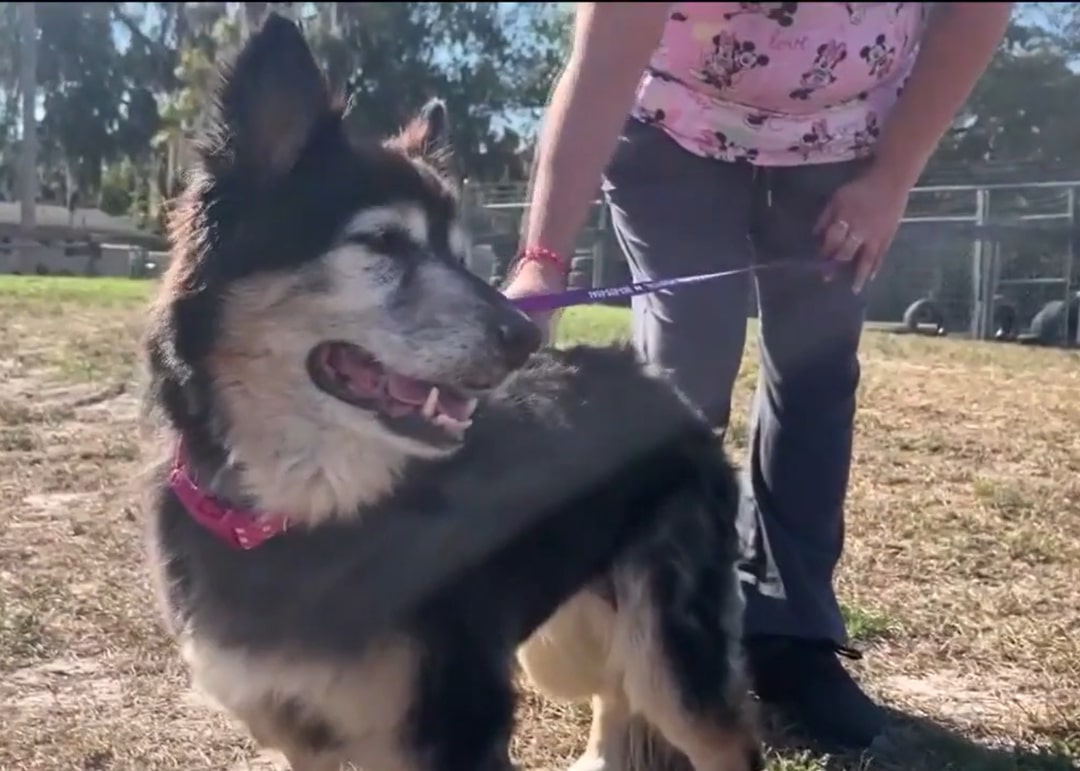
(470, 408)
(451, 424)
(428, 410)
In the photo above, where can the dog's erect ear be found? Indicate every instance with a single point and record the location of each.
(436, 123)
(427, 136)
(271, 100)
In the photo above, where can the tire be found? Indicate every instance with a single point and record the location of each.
(1006, 321)
(579, 280)
(583, 264)
(924, 311)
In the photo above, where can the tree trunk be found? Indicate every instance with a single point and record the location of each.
(252, 16)
(28, 186)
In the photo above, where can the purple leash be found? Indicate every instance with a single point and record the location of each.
(570, 297)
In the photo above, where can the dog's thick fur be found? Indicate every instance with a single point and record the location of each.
(290, 234)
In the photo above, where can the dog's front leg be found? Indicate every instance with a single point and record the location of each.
(609, 738)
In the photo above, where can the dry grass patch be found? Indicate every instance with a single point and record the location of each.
(961, 576)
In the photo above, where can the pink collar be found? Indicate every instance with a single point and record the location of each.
(239, 528)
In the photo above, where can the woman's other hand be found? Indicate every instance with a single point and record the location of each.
(860, 222)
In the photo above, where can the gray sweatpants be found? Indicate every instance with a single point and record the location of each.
(675, 214)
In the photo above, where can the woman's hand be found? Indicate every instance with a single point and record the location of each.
(860, 221)
(959, 42)
(533, 277)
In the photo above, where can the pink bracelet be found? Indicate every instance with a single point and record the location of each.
(543, 255)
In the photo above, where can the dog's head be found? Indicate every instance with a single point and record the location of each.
(317, 322)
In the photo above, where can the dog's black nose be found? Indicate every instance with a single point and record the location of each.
(519, 338)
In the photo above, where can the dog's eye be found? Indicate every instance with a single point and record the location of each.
(393, 242)
(388, 241)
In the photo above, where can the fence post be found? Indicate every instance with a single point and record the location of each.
(599, 268)
(996, 261)
(468, 208)
(981, 284)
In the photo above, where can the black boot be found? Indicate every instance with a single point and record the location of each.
(806, 683)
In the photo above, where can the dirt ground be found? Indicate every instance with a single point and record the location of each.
(961, 577)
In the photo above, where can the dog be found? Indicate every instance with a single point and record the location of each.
(320, 360)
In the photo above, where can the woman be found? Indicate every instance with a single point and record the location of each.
(760, 132)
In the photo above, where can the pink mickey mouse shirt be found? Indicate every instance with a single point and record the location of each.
(780, 84)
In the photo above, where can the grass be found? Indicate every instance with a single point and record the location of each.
(961, 576)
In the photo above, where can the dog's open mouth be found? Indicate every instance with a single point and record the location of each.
(354, 376)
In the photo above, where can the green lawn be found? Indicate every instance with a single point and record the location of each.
(98, 293)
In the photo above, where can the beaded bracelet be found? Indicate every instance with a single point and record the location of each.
(543, 255)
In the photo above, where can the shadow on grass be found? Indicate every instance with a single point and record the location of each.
(918, 744)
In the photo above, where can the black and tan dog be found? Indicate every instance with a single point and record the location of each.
(320, 360)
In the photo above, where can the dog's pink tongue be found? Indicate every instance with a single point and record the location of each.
(405, 389)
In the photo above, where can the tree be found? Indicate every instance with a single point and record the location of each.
(493, 64)
(124, 86)
(1013, 125)
(27, 85)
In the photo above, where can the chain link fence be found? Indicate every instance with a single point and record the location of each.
(989, 262)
